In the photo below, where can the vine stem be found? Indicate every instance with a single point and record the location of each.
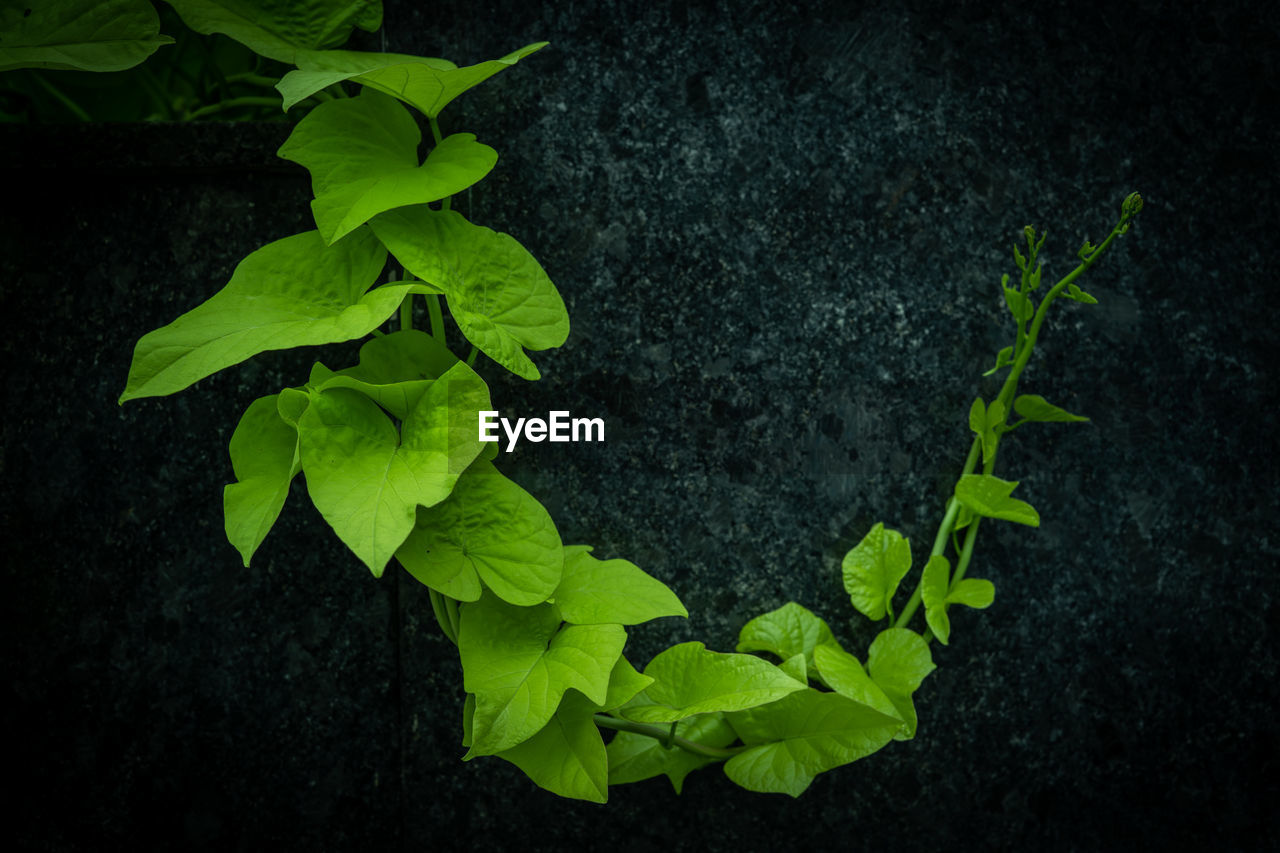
(435, 134)
(666, 736)
(233, 103)
(1006, 396)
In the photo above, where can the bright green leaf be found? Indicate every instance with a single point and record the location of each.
(989, 496)
(498, 294)
(973, 592)
(395, 370)
(1003, 359)
(366, 480)
(807, 733)
(293, 292)
(898, 661)
(593, 591)
(422, 82)
(633, 758)
(264, 455)
(280, 29)
(933, 592)
(844, 674)
(786, 631)
(490, 529)
(86, 35)
(363, 157)
(978, 416)
(1035, 408)
(624, 684)
(1019, 305)
(690, 680)
(796, 667)
(519, 661)
(1074, 292)
(567, 756)
(873, 569)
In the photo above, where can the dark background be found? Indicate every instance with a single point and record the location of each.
(779, 229)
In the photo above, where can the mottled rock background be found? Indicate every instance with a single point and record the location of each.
(779, 229)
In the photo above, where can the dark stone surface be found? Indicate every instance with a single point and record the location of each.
(779, 230)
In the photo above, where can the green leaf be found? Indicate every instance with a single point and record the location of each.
(633, 757)
(785, 632)
(519, 661)
(293, 292)
(1019, 305)
(421, 82)
(366, 480)
(489, 529)
(1086, 249)
(593, 591)
(933, 592)
(363, 157)
(280, 29)
(873, 569)
(844, 674)
(796, 667)
(1035, 408)
(978, 416)
(807, 733)
(989, 496)
(498, 294)
(898, 661)
(264, 455)
(1074, 292)
(567, 756)
(973, 592)
(1004, 358)
(690, 680)
(85, 35)
(412, 356)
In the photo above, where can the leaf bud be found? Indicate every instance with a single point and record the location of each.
(1132, 206)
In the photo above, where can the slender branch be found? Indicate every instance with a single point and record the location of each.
(233, 103)
(62, 98)
(437, 318)
(666, 736)
(443, 618)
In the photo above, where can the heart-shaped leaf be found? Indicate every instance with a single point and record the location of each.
(85, 35)
(498, 294)
(424, 83)
(594, 591)
(873, 569)
(264, 455)
(281, 29)
(290, 293)
(363, 157)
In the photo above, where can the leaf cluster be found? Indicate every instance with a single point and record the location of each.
(391, 457)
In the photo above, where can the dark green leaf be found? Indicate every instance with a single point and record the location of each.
(280, 29)
(85, 35)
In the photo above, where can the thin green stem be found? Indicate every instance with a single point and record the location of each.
(336, 90)
(447, 624)
(437, 318)
(940, 538)
(153, 87)
(666, 736)
(233, 103)
(435, 134)
(60, 96)
(471, 356)
(406, 312)
(253, 79)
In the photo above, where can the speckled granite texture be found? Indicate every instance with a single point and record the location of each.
(780, 230)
